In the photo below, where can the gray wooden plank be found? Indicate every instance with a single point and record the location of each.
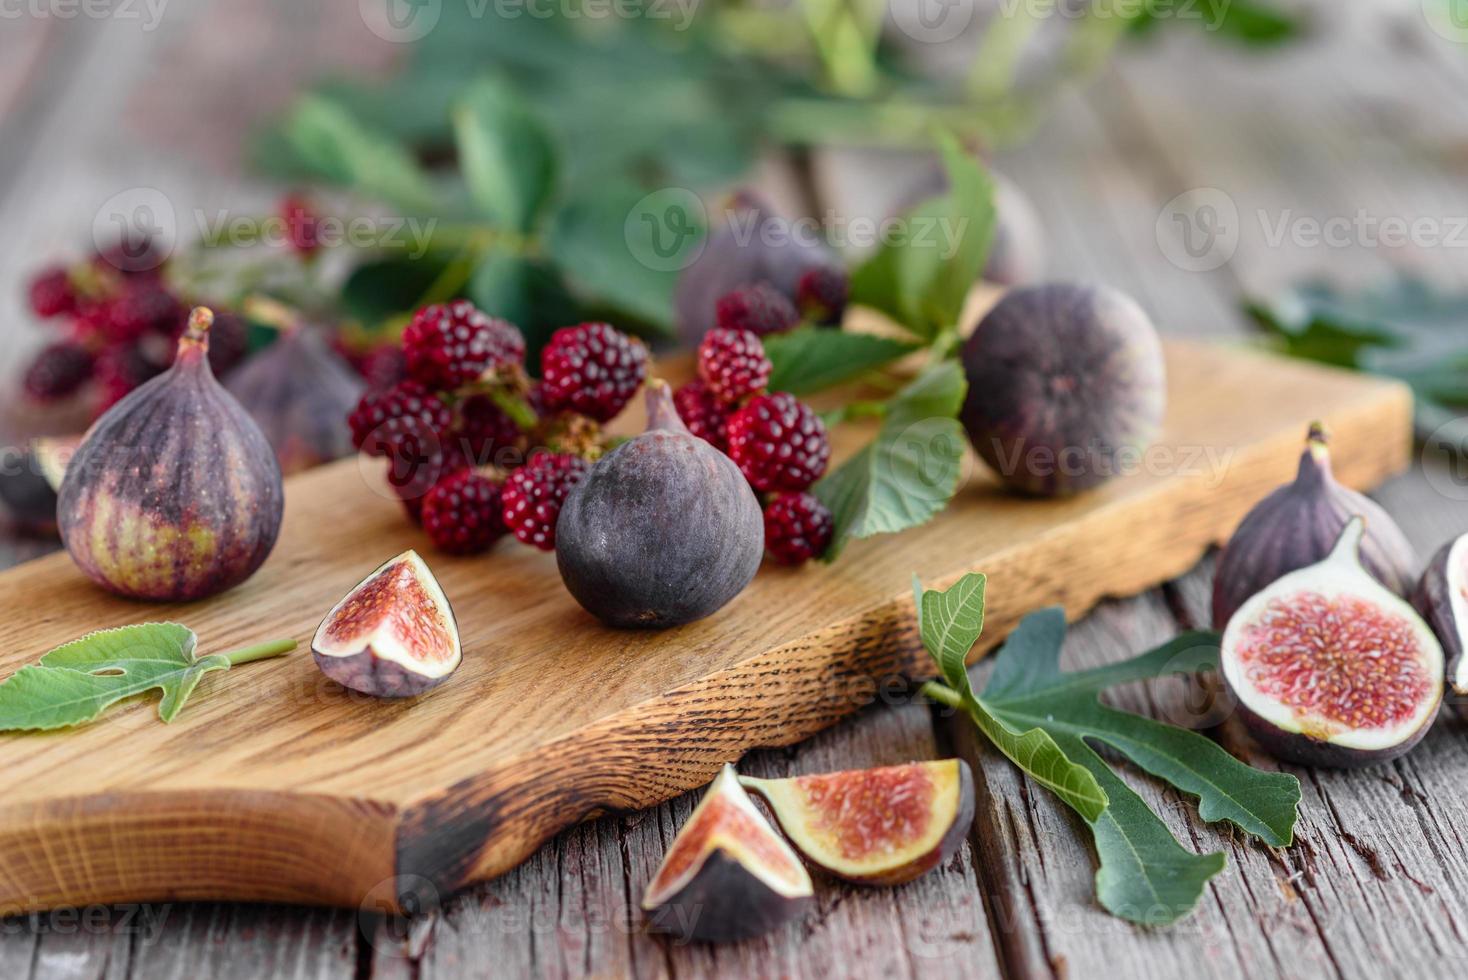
(572, 909)
(248, 942)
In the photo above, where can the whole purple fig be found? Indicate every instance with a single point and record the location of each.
(1442, 598)
(662, 531)
(748, 242)
(174, 493)
(1297, 525)
(1066, 386)
(300, 392)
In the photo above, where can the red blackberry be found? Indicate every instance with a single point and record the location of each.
(300, 224)
(451, 344)
(383, 367)
(483, 431)
(52, 294)
(759, 307)
(120, 369)
(779, 443)
(821, 294)
(798, 527)
(533, 495)
(704, 414)
(592, 369)
(58, 371)
(145, 308)
(406, 419)
(733, 363)
(463, 513)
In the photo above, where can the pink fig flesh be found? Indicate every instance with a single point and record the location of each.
(727, 875)
(394, 634)
(1330, 668)
(881, 826)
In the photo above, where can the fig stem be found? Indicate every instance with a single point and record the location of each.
(260, 651)
(941, 693)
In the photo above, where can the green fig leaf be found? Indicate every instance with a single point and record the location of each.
(76, 682)
(340, 148)
(1145, 875)
(910, 471)
(506, 155)
(921, 279)
(814, 358)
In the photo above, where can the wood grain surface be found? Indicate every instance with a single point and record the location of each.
(278, 785)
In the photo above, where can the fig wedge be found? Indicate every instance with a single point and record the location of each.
(393, 636)
(880, 826)
(727, 875)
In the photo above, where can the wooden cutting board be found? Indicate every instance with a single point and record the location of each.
(276, 785)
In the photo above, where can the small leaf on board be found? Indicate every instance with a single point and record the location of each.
(910, 471)
(76, 682)
(814, 358)
(1145, 876)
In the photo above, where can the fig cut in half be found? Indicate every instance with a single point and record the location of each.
(1442, 598)
(728, 875)
(1330, 668)
(880, 826)
(393, 636)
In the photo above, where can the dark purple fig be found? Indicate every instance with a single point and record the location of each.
(1066, 387)
(1442, 598)
(1329, 668)
(393, 636)
(662, 531)
(1017, 251)
(174, 493)
(727, 875)
(300, 391)
(748, 242)
(1298, 524)
(880, 826)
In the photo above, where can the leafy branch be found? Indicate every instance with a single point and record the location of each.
(1047, 722)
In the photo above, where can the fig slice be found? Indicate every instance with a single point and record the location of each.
(1330, 668)
(394, 634)
(880, 826)
(727, 875)
(1442, 598)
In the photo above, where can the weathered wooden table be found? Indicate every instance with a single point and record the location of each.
(1365, 120)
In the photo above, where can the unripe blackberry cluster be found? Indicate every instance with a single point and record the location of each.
(778, 442)
(476, 448)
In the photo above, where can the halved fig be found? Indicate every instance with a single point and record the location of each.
(875, 826)
(1330, 668)
(393, 636)
(1442, 598)
(727, 875)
